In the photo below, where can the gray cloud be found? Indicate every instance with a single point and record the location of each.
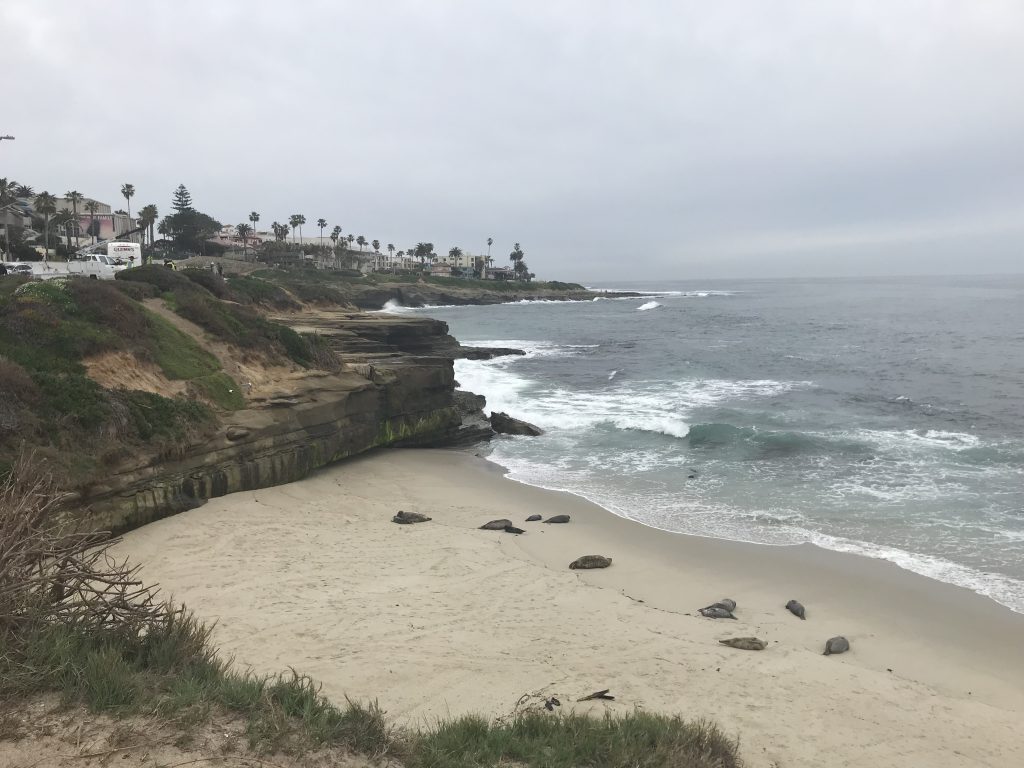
(646, 140)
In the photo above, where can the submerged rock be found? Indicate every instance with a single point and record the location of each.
(507, 425)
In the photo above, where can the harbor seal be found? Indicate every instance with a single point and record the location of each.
(496, 525)
(795, 608)
(726, 603)
(513, 529)
(407, 518)
(590, 561)
(716, 612)
(558, 519)
(745, 643)
(533, 518)
(836, 645)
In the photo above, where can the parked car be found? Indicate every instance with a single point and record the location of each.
(19, 269)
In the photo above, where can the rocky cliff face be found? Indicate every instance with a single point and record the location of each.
(396, 387)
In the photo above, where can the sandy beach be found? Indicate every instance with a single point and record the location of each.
(441, 618)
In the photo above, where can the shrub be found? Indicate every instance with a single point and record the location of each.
(252, 290)
(208, 279)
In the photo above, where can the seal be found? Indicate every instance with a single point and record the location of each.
(496, 525)
(795, 608)
(745, 643)
(726, 603)
(558, 519)
(716, 612)
(407, 518)
(836, 645)
(513, 529)
(590, 561)
(533, 518)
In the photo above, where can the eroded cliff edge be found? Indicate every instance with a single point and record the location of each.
(395, 387)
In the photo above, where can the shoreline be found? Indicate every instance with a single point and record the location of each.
(441, 618)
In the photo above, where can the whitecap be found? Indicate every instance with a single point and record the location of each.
(648, 305)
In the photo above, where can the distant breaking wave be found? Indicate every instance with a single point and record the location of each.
(648, 305)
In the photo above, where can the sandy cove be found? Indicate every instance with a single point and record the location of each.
(442, 619)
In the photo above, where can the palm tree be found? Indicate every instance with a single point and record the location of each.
(128, 191)
(244, 230)
(92, 206)
(75, 198)
(335, 234)
(24, 190)
(454, 252)
(361, 241)
(147, 218)
(351, 238)
(293, 221)
(490, 242)
(254, 218)
(376, 246)
(45, 205)
(321, 223)
(63, 220)
(301, 220)
(7, 191)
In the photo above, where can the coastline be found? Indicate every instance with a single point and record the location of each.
(441, 618)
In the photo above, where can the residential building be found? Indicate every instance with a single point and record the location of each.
(441, 269)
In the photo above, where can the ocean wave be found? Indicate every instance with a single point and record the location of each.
(648, 305)
(767, 527)
(698, 294)
(770, 442)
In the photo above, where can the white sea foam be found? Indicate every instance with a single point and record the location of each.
(648, 305)
(393, 307)
(771, 527)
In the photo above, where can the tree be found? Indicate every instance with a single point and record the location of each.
(293, 222)
(92, 206)
(188, 227)
(490, 242)
(254, 218)
(45, 205)
(351, 238)
(335, 234)
(454, 253)
(128, 190)
(75, 198)
(280, 231)
(24, 190)
(376, 246)
(361, 241)
(7, 188)
(182, 200)
(518, 265)
(147, 218)
(244, 230)
(424, 251)
(62, 220)
(321, 223)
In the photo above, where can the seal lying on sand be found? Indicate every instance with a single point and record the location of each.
(533, 518)
(716, 612)
(406, 518)
(590, 561)
(795, 608)
(745, 643)
(496, 525)
(558, 519)
(512, 529)
(836, 645)
(726, 603)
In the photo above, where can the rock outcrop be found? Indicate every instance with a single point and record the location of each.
(395, 388)
(504, 424)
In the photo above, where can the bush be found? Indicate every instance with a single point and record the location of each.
(208, 279)
(137, 291)
(252, 290)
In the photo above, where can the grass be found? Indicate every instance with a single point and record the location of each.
(172, 672)
(220, 389)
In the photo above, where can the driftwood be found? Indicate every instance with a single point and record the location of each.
(50, 573)
(598, 695)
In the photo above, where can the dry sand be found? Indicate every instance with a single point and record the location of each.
(441, 619)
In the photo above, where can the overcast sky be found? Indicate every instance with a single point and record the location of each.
(614, 140)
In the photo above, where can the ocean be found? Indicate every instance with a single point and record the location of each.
(883, 417)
